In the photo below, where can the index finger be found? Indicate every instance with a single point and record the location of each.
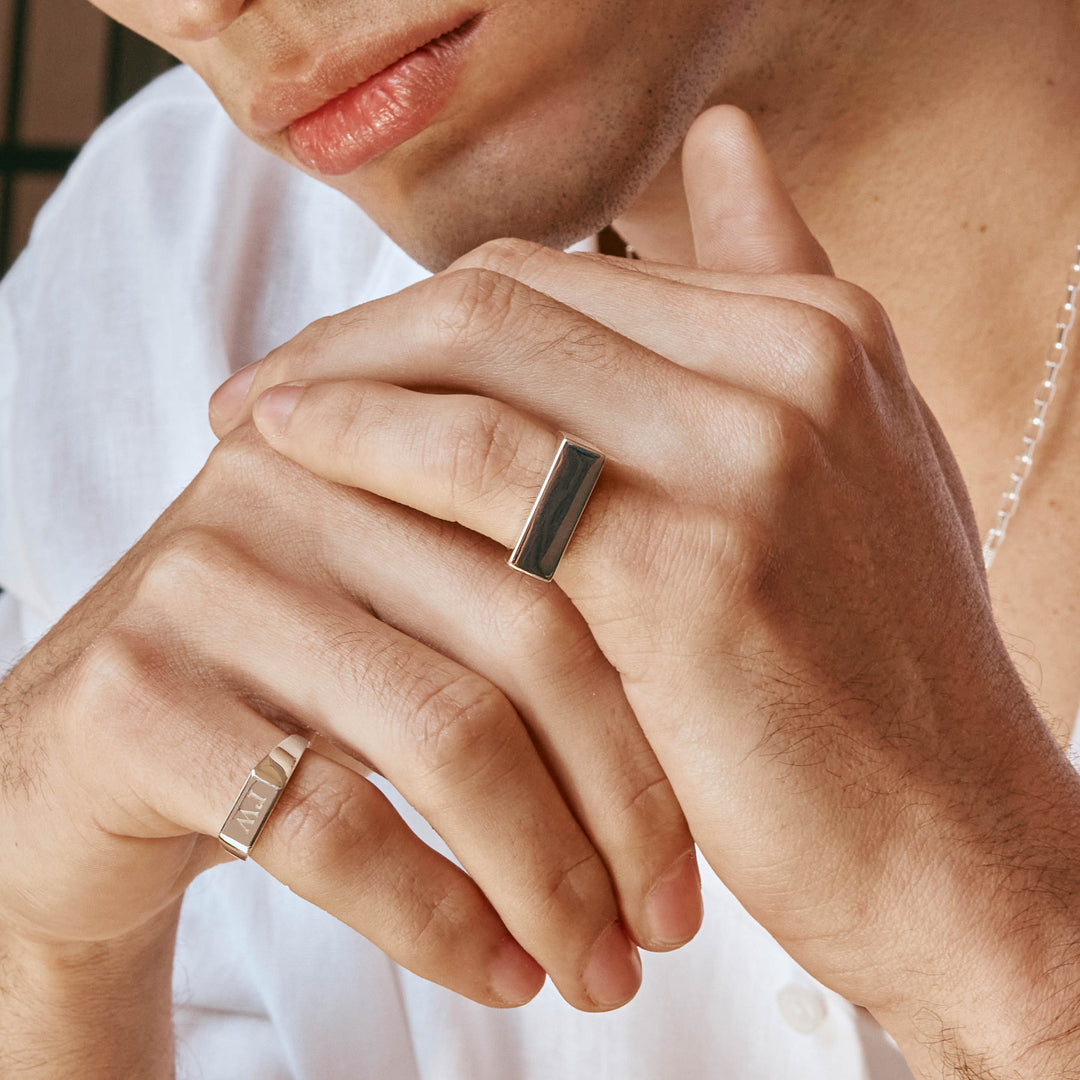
(481, 329)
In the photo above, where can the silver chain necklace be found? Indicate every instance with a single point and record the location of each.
(1034, 428)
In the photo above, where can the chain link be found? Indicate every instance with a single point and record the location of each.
(1034, 428)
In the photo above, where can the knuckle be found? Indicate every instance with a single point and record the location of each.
(832, 341)
(654, 825)
(347, 419)
(472, 305)
(242, 456)
(463, 730)
(867, 319)
(355, 654)
(575, 885)
(541, 628)
(527, 619)
(505, 255)
(829, 362)
(786, 447)
(481, 451)
(694, 558)
(192, 557)
(246, 484)
(441, 920)
(659, 539)
(648, 797)
(840, 361)
(254, 496)
(120, 684)
(748, 571)
(843, 365)
(593, 346)
(326, 826)
(129, 702)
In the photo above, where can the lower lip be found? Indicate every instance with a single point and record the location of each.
(383, 112)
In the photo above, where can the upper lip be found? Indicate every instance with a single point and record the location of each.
(277, 103)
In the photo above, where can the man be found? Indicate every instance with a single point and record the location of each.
(771, 634)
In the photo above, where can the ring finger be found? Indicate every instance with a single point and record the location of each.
(333, 838)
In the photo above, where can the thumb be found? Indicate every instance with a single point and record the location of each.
(743, 219)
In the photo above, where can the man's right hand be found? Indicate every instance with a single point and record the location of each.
(266, 600)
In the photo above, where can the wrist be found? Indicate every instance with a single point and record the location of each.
(92, 1009)
(1023, 1025)
(993, 991)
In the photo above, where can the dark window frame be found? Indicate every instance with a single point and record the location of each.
(131, 62)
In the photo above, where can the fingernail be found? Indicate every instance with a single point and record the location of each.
(673, 908)
(229, 396)
(274, 407)
(614, 970)
(515, 976)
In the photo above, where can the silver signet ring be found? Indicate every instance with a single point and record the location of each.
(557, 510)
(260, 794)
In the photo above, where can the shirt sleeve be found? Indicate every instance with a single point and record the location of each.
(12, 637)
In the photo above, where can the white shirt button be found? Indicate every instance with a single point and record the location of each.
(802, 1008)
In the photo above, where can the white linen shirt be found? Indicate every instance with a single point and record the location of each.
(174, 252)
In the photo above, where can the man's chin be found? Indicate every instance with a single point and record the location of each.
(437, 235)
(443, 218)
(436, 248)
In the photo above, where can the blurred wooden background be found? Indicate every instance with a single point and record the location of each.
(63, 68)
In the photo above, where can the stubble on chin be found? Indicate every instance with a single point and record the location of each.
(553, 179)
